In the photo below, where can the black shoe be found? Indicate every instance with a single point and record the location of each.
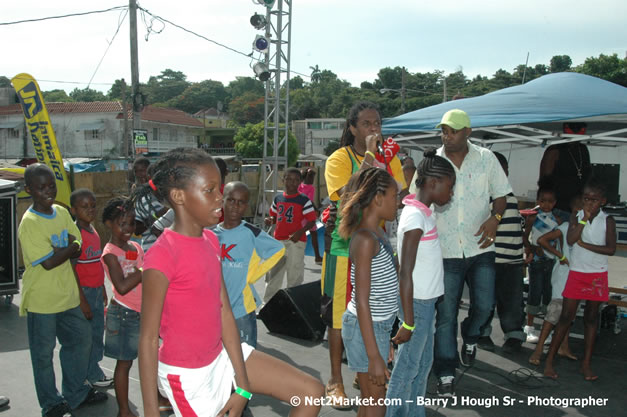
(512, 345)
(105, 382)
(446, 386)
(4, 401)
(468, 354)
(485, 343)
(60, 410)
(94, 397)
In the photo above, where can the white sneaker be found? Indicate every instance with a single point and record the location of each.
(532, 335)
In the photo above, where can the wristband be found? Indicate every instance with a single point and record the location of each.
(243, 393)
(582, 222)
(563, 258)
(408, 327)
(78, 242)
(370, 153)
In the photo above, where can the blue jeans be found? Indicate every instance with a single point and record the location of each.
(540, 290)
(247, 326)
(96, 304)
(478, 273)
(509, 301)
(74, 334)
(413, 363)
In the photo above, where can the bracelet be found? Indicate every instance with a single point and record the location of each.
(499, 217)
(78, 242)
(408, 327)
(371, 154)
(582, 222)
(563, 258)
(243, 393)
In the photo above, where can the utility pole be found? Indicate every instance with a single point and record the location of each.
(135, 95)
(403, 90)
(444, 98)
(125, 113)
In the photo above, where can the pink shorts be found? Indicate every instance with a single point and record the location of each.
(587, 286)
(201, 391)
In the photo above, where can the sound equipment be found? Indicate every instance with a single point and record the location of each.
(295, 312)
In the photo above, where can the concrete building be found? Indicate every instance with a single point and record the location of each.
(314, 135)
(96, 129)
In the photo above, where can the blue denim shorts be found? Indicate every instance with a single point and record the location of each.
(354, 343)
(121, 333)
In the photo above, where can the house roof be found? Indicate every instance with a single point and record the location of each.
(150, 113)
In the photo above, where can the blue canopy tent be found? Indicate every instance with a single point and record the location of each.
(531, 114)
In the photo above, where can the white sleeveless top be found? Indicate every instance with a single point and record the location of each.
(583, 260)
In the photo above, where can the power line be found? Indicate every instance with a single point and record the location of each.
(108, 46)
(204, 37)
(63, 16)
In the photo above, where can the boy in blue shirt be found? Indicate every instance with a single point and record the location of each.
(247, 254)
(50, 298)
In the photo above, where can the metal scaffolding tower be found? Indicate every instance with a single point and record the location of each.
(276, 107)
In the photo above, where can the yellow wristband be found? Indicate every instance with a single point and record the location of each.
(408, 327)
(582, 222)
(371, 154)
(78, 242)
(562, 258)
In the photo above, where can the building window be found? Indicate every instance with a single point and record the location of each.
(155, 133)
(314, 125)
(14, 133)
(92, 134)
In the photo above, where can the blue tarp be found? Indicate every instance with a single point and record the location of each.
(553, 97)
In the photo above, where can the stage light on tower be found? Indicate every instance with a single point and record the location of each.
(267, 3)
(261, 44)
(261, 71)
(258, 21)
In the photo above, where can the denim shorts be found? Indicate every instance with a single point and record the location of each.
(354, 343)
(121, 333)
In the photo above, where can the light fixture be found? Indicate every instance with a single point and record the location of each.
(267, 3)
(261, 71)
(261, 44)
(258, 21)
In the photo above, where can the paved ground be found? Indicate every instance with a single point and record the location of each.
(498, 384)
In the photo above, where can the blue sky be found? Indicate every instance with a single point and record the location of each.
(352, 38)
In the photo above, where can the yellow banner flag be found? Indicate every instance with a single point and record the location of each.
(41, 132)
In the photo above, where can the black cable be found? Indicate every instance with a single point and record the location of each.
(107, 49)
(63, 16)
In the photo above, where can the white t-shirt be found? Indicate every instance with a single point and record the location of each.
(428, 273)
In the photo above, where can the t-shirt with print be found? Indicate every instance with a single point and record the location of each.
(191, 326)
(88, 266)
(247, 253)
(47, 291)
(428, 273)
(133, 298)
(146, 209)
(479, 179)
(290, 211)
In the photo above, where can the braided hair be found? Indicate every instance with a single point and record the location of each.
(433, 166)
(545, 185)
(116, 208)
(347, 138)
(361, 189)
(173, 170)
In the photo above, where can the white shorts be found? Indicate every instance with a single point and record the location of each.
(202, 391)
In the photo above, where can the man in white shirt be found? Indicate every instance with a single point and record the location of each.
(467, 228)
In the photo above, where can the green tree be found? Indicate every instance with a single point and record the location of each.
(4, 82)
(243, 85)
(87, 94)
(166, 86)
(249, 143)
(607, 67)
(247, 108)
(197, 96)
(297, 83)
(331, 147)
(56, 96)
(315, 74)
(560, 63)
(115, 92)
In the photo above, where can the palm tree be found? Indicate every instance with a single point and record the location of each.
(315, 74)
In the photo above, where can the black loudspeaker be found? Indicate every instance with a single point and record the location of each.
(295, 312)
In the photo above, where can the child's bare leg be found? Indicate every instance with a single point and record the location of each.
(120, 381)
(530, 318)
(370, 391)
(270, 376)
(535, 357)
(564, 349)
(569, 309)
(314, 243)
(590, 319)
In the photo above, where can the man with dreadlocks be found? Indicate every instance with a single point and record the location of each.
(361, 135)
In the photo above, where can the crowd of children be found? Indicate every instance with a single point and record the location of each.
(201, 258)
